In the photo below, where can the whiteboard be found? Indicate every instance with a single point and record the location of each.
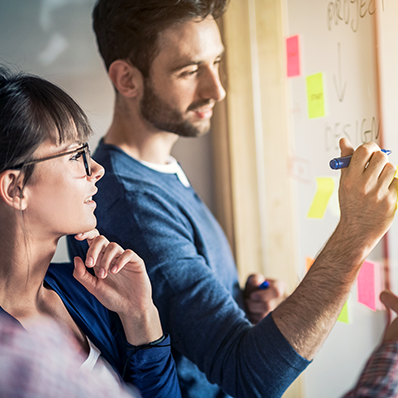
(388, 55)
(338, 39)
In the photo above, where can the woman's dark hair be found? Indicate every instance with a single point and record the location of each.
(33, 110)
(129, 29)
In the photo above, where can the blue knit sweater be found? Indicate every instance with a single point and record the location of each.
(194, 282)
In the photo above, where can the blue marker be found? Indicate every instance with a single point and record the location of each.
(264, 285)
(341, 163)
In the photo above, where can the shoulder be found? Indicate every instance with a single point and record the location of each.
(127, 179)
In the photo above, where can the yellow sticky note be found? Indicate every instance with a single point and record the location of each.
(322, 196)
(343, 317)
(315, 96)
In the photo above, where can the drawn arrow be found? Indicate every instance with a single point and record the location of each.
(340, 88)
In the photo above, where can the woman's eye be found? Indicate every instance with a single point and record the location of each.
(76, 156)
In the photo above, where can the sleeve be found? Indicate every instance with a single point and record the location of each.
(379, 378)
(153, 372)
(195, 308)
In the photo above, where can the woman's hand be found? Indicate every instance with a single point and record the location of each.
(121, 284)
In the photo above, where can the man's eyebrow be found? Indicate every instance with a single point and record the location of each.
(193, 63)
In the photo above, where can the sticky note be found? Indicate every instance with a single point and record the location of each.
(334, 205)
(366, 285)
(293, 56)
(322, 196)
(308, 263)
(379, 284)
(316, 104)
(343, 317)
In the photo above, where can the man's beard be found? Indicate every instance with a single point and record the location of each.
(162, 116)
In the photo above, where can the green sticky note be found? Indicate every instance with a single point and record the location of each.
(343, 317)
(322, 196)
(315, 95)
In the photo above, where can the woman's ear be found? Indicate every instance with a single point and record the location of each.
(126, 78)
(11, 191)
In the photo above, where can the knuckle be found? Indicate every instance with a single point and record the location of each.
(113, 246)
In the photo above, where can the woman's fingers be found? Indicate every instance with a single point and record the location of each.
(106, 257)
(81, 274)
(89, 235)
(110, 254)
(95, 253)
(127, 257)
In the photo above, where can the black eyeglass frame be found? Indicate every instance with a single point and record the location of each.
(84, 150)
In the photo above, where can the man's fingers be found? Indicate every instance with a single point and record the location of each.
(275, 290)
(363, 157)
(346, 148)
(257, 307)
(390, 300)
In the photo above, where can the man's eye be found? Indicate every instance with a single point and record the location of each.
(189, 73)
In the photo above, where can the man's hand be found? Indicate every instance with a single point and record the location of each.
(390, 300)
(259, 303)
(368, 200)
(368, 194)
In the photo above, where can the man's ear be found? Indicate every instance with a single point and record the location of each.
(11, 189)
(126, 78)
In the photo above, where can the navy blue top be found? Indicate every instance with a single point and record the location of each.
(194, 281)
(151, 371)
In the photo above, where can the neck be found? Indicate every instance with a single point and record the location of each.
(137, 137)
(23, 266)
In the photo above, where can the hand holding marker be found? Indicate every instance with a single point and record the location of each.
(341, 163)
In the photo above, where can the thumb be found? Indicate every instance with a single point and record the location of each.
(346, 148)
(81, 274)
(253, 282)
(390, 300)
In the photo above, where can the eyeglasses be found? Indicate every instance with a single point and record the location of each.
(84, 150)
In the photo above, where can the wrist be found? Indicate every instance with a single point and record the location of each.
(348, 246)
(142, 328)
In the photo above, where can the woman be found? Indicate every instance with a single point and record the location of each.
(47, 181)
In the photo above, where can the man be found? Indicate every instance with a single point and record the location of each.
(162, 57)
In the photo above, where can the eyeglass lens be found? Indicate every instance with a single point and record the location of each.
(87, 160)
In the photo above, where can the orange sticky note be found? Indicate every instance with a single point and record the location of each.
(366, 285)
(309, 261)
(293, 56)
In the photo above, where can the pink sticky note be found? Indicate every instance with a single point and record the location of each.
(293, 56)
(379, 284)
(366, 285)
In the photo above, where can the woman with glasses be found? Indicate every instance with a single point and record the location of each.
(47, 184)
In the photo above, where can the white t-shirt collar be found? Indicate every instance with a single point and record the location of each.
(171, 167)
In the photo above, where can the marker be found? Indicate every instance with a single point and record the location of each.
(341, 163)
(264, 285)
